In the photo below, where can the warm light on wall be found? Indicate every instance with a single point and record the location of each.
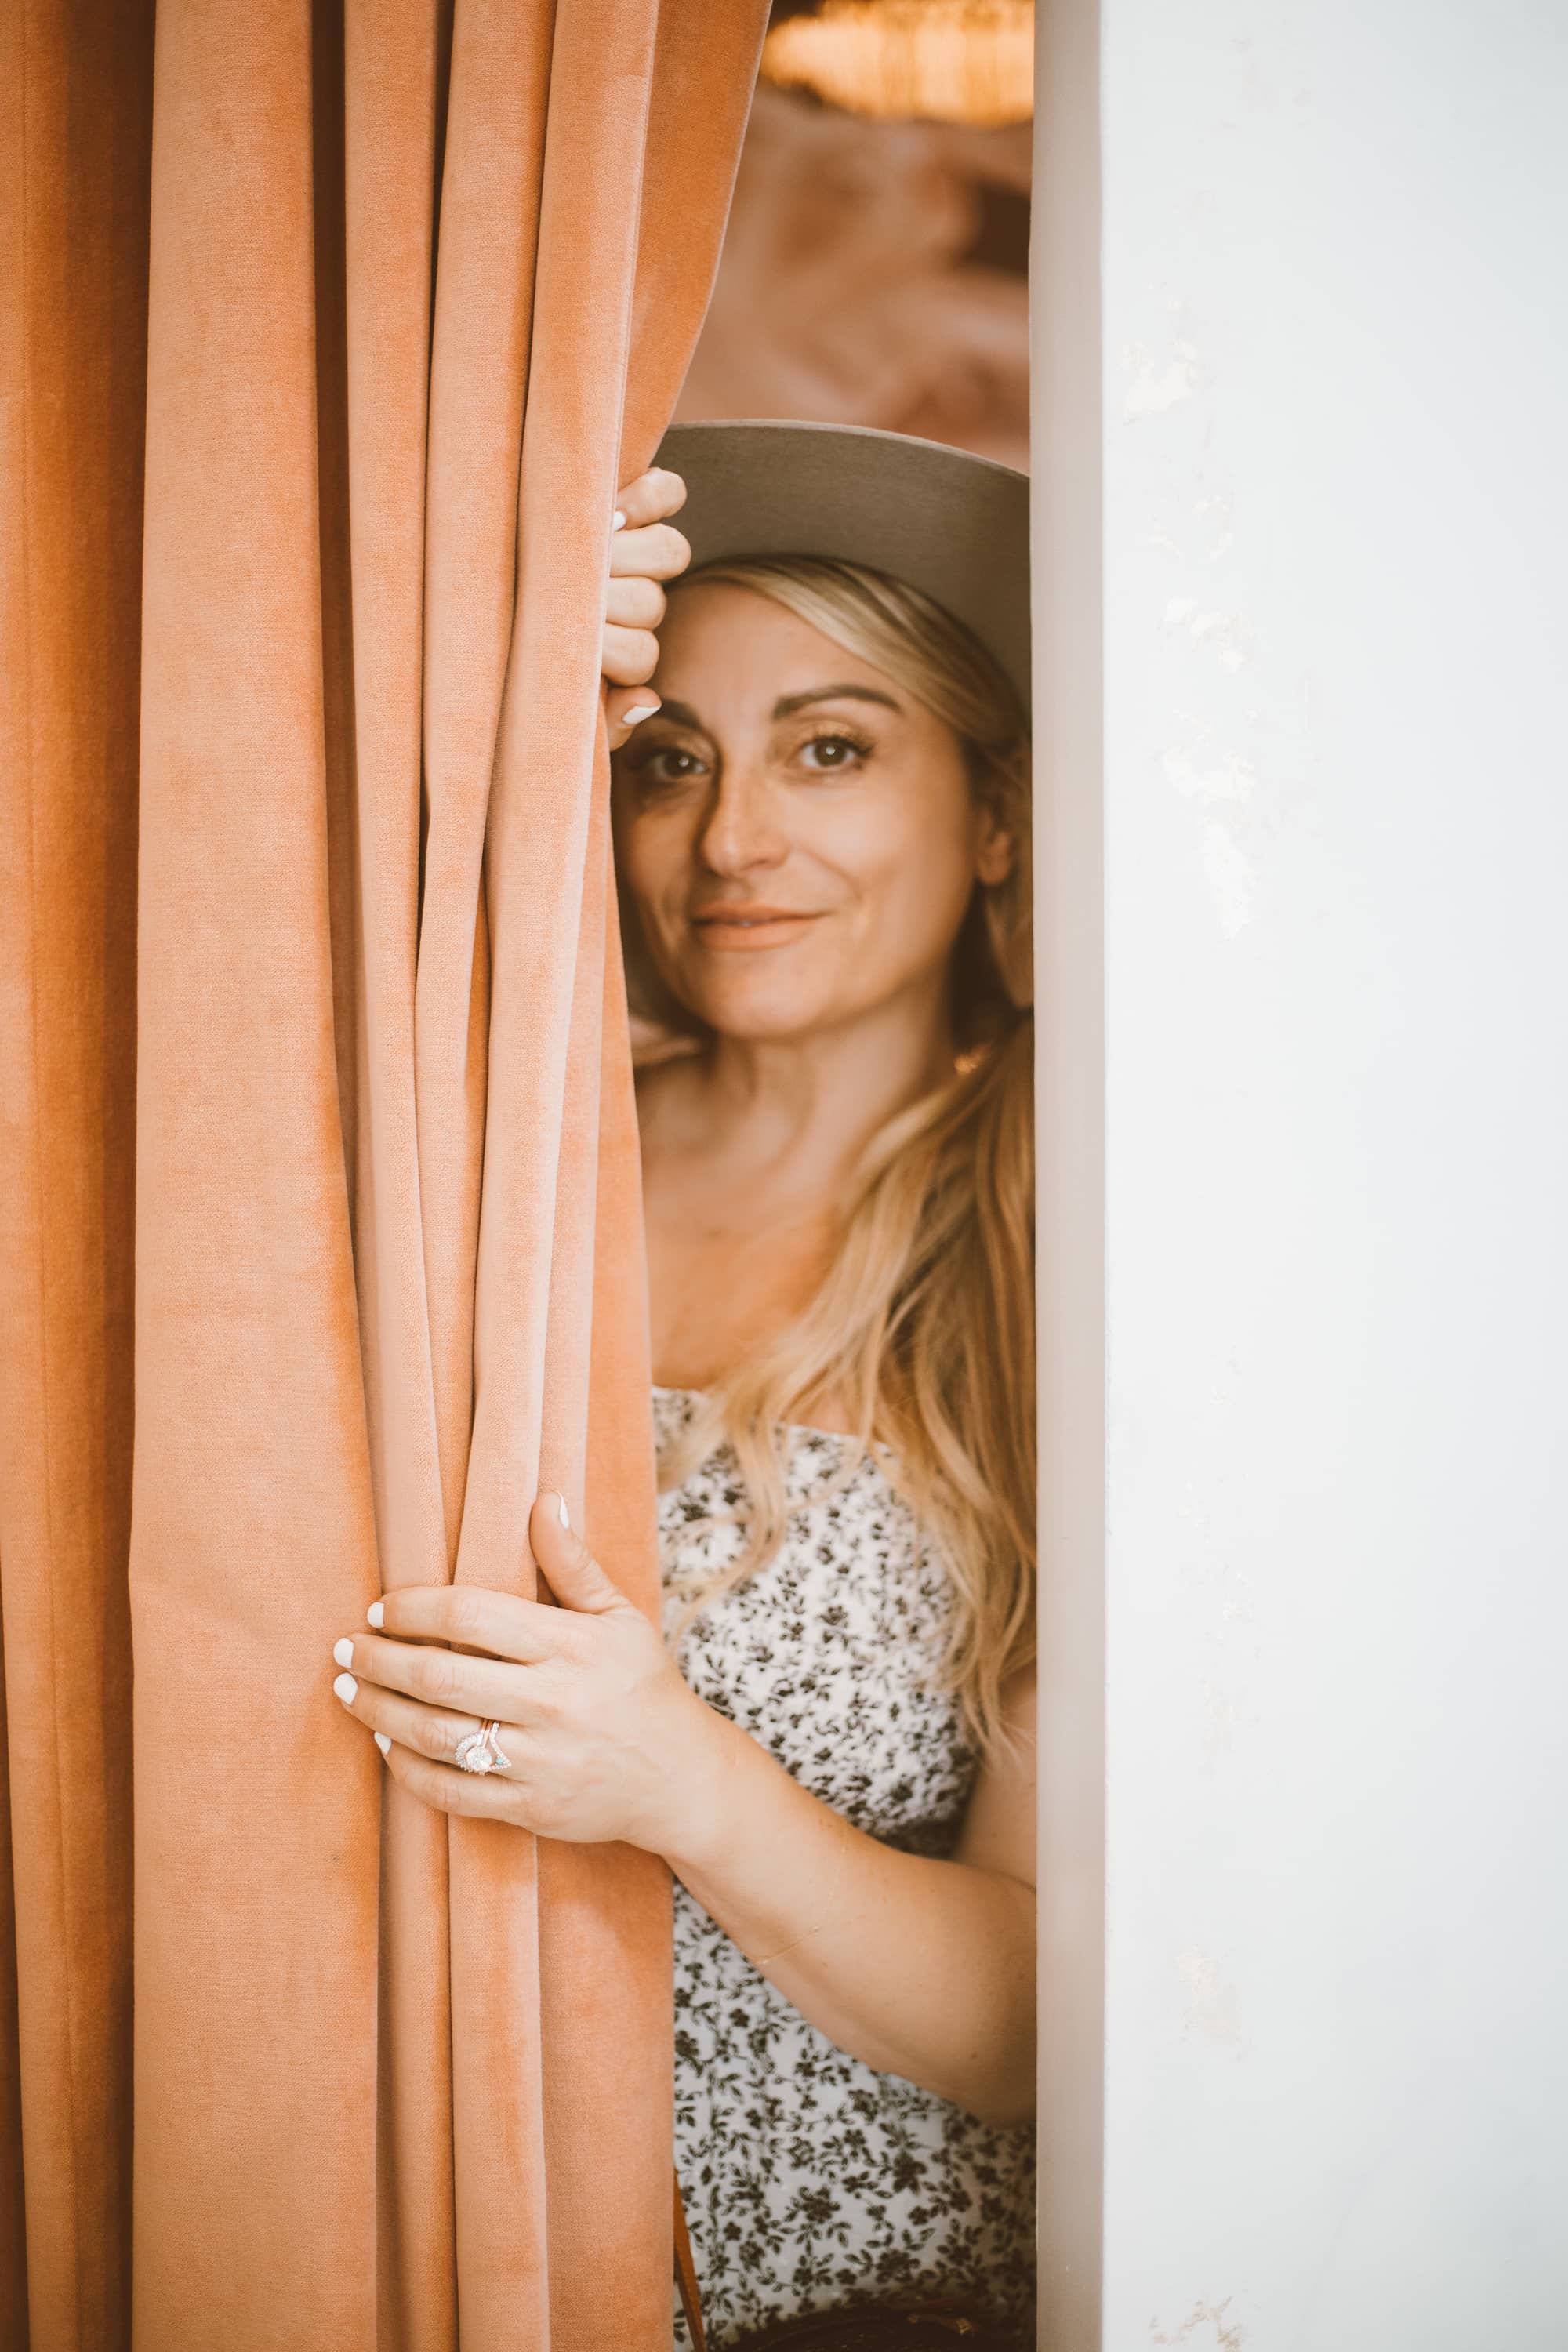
(932, 60)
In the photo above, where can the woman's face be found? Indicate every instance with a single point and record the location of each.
(799, 834)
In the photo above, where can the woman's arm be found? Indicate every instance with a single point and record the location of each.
(921, 1969)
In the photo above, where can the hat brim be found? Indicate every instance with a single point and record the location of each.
(951, 524)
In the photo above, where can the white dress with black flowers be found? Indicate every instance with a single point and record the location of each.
(807, 2176)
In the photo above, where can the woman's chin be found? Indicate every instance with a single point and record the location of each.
(762, 1016)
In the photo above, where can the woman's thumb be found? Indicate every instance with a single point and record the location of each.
(575, 1575)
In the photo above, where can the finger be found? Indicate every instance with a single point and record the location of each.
(448, 1680)
(484, 1796)
(652, 496)
(444, 1679)
(430, 1731)
(659, 552)
(575, 1577)
(629, 656)
(635, 603)
(626, 707)
(499, 1622)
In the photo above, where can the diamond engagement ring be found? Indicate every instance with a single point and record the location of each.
(481, 1751)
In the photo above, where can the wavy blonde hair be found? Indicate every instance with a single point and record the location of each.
(924, 1321)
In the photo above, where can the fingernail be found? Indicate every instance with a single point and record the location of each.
(561, 1506)
(618, 521)
(382, 1742)
(344, 1652)
(345, 1688)
(644, 710)
(377, 1615)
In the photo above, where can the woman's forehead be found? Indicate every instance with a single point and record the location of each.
(738, 649)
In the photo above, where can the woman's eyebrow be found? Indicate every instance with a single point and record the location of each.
(788, 704)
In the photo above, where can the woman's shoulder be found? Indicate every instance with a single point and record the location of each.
(846, 1517)
(674, 1408)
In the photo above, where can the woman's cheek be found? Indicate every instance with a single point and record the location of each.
(655, 871)
(916, 905)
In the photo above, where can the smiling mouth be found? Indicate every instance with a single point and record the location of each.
(749, 926)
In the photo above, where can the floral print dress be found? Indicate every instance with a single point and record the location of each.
(807, 2176)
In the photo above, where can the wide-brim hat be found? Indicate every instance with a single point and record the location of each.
(951, 524)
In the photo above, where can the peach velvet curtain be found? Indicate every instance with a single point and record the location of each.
(329, 331)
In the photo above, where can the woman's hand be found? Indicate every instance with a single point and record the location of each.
(605, 1739)
(644, 549)
(919, 1966)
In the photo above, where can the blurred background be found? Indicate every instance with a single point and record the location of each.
(876, 266)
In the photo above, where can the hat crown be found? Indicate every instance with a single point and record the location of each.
(950, 523)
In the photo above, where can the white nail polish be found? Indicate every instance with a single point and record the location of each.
(644, 710)
(382, 1742)
(561, 1506)
(345, 1688)
(344, 1652)
(377, 1615)
(618, 521)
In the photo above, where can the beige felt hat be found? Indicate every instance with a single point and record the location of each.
(954, 525)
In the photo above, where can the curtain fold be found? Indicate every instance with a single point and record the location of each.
(375, 302)
(75, 117)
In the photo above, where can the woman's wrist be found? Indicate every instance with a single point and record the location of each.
(707, 1794)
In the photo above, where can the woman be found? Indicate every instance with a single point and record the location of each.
(821, 822)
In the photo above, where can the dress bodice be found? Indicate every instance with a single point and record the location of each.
(807, 2176)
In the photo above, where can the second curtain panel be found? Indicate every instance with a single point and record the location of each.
(421, 285)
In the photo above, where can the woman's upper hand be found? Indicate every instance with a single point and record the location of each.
(605, 1739)
(644, 547)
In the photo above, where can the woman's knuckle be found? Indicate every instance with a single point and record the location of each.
(629, 656)
(626, 607)
(438, 1736)
(578, 1644)
(532, 1709)
(435, 1676)
(636, 604)
(469, 1610)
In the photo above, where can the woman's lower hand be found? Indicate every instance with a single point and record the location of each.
(644, 549)
(604, 1738)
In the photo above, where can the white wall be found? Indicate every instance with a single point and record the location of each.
(1334, 346)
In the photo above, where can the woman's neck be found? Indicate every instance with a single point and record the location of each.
(749, 1157)
(801, 1109)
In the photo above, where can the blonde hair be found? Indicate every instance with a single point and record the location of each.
(924, 1321)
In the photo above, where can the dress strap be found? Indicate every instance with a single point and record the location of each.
(686, 2271)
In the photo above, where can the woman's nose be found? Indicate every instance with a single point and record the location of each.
(742, 833)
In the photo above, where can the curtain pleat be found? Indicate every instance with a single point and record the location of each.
(375, 302)
(75, 108)
(252, 1538)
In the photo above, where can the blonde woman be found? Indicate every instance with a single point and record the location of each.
(821, 808)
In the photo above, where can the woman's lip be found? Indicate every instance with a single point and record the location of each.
(748, 926)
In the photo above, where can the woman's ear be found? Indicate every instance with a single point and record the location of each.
(995, 850)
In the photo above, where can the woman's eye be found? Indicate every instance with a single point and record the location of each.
(665, 763)
(828, 752)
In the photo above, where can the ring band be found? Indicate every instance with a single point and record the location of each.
(481, 1751)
